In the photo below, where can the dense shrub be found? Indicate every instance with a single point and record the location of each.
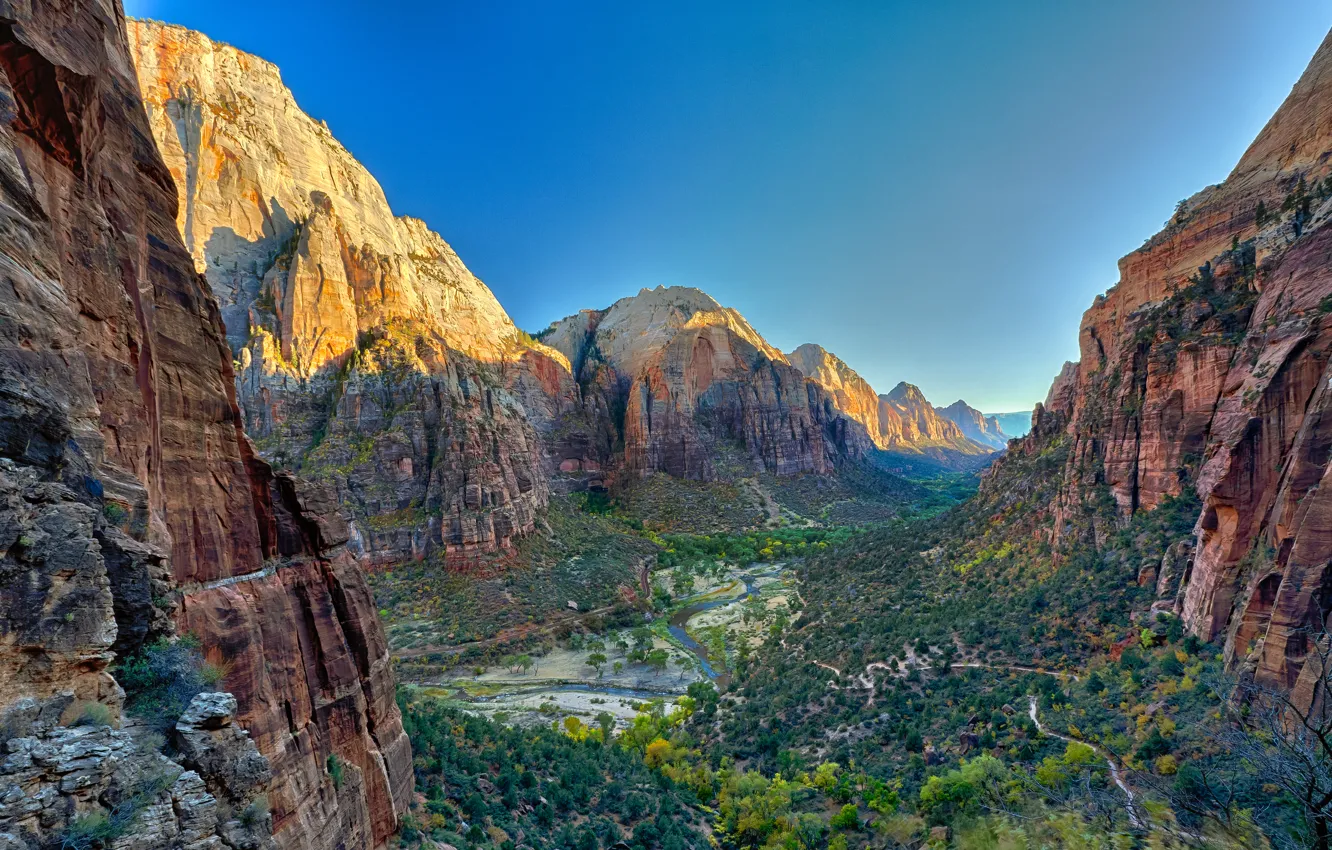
(161, 680)
(567, 786)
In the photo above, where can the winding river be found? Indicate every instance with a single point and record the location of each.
(680, 620)
(677, 625)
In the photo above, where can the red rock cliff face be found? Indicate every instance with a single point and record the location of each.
(1207, 367)
(694, 380)
(974, 425)
(850, 392)
(902, 422)
(369, 356)
(908, 420)
(118, 424)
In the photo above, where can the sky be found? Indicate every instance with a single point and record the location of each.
(934, 191)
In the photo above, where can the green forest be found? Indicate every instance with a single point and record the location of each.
(950, 680)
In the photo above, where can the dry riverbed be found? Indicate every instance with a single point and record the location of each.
(741, 605)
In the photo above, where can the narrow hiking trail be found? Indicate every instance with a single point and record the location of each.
(1130, 805)
(1019, 668)
(866, 680)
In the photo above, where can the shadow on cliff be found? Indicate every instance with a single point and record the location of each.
(238, 286)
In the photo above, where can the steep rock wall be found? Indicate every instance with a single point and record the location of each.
(851, 393)
(142, 499)
(974, 425)
(908, 419)
(1206, 367)
(686, 381)
(369, 356)
(901, 422)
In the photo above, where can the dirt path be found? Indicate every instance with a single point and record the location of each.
(1018, 668)
(196, 587)
(1130, 805)
(765, 498)
(866, 680)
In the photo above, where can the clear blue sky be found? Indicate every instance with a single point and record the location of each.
(935, 191)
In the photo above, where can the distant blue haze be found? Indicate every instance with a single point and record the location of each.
(934, 191)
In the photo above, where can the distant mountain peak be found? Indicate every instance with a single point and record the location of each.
(906, 392)
(630, 332)
(974, 424)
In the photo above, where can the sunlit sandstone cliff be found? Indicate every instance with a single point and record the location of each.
(900, 421)
(131, 503)
(368, 354)
(693, 377)
(1206, 368)
(369, 357)
(974, 425)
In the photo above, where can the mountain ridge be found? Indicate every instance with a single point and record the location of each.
(369, 356)
(900, 421)
(974, 424)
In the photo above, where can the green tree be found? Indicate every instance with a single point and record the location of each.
(597, 660)
(606, 721)
(846, 819)
(685, 664)
(657, 659)
(964, 791)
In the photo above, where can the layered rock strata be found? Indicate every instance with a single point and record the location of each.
(131, 502)
(700, 390)
(368, 355)
(974, 425)
(908, 420)
(1206, 367)
(60, 780)
(901, 422)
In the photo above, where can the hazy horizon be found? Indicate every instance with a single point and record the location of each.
(933, 193)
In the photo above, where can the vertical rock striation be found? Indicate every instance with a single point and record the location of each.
(369, 356)
(698, 387)
(974, 425)
(130, 497)
(1206, 367)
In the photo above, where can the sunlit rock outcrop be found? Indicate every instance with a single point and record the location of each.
(974, 425)
(694, 378)
(369, 356)
(902, 421)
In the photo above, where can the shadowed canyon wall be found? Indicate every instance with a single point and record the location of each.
(133, 503)
(1207, 368)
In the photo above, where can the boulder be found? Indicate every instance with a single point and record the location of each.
(220, 751)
